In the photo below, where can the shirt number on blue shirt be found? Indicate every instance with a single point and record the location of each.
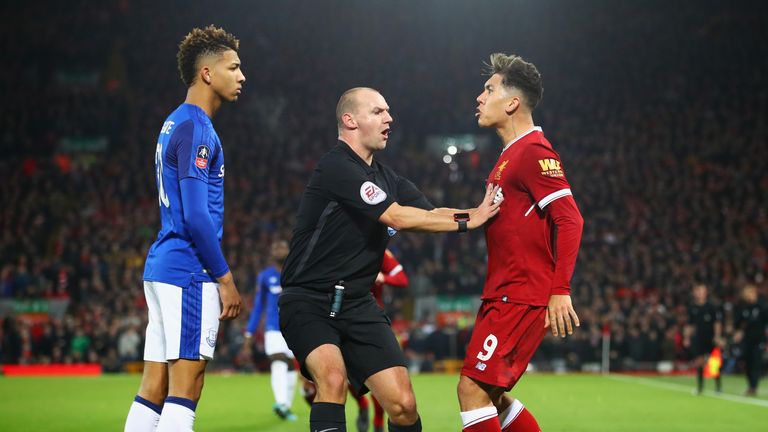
(163, 197)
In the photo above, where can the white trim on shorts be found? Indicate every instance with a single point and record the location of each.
(183, 322)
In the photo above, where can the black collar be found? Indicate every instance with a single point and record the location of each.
(369, 169)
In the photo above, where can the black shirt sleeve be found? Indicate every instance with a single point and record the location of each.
(409, 195)
(346, 182)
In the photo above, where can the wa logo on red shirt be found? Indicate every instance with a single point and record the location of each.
(551, 168)
(372, 194)
(201, 159)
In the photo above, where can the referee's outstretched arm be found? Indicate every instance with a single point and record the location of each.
(415, 219)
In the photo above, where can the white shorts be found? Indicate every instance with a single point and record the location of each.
(274, 343)
(183, 322)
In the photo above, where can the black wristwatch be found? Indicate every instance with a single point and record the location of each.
(461, 219)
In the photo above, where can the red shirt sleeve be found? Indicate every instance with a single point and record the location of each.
(394, 274)
(567, 218)
(543, 176)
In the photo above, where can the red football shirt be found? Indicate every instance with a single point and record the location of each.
(521, 239)
(393, 275)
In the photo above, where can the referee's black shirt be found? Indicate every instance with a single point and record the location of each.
(703, 318)
(338, 235)
(752, 318)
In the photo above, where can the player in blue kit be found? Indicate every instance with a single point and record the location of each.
(187, 282)
(283, 369)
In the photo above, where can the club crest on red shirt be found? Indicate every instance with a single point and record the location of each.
(500, 169)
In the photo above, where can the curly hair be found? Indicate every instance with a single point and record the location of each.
(200, 43)
(519, 74)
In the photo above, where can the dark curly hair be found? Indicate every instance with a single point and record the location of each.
(519, 74)
(200, 43)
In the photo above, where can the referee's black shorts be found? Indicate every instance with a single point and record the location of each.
(361, 330)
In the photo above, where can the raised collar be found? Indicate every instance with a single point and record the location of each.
(521, 136)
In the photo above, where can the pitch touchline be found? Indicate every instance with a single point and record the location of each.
(685, 389)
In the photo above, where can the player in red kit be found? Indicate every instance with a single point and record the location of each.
(391, 274)
(532, 247)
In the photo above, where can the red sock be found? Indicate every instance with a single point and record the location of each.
(524, 422)
(378, 413)
(488, 425)
(362, 403)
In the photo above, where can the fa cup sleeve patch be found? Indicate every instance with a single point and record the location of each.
(201, 158)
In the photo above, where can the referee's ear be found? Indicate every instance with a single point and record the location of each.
(348, 121)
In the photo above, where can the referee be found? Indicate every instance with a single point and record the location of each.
(705, 327)
(351, 207)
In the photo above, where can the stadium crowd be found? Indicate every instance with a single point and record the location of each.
(663, 133)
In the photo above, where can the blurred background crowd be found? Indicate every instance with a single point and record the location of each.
(659, 112)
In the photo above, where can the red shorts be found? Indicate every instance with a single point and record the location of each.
(504, 339)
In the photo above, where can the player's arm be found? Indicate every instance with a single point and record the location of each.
(738, 333)
(194, 196)
(544, 178)
(258, 307)
(688, 330)
(409, 195)
(415, 219)
(719, 328)
(569, 223)
(392, 272)
(192, 155)
(345, 182)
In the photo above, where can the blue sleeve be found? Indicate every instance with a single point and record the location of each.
(258, 305)
(194, 202)
(193, 151)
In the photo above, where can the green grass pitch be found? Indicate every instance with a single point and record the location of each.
(243, 403)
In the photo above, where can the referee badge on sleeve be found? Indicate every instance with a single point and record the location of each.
(372, 194)
(201, 158)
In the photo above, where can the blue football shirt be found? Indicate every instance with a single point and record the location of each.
(188, 147)
(267, 293)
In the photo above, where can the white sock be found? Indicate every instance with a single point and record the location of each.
(178, 416)
(469, 418)
(510, 414)
(293, 377)
(279, 370)
(142, 417)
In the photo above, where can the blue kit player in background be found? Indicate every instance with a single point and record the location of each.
(283, 367)
(187, 282)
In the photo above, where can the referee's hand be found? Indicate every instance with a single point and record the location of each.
(561, 317)
(230, 298)
(487, 209)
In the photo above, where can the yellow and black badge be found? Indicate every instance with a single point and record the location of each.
(551, 168)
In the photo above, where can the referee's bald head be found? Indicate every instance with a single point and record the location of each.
(348, 103)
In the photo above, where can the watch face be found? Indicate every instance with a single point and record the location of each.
(460, 217)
